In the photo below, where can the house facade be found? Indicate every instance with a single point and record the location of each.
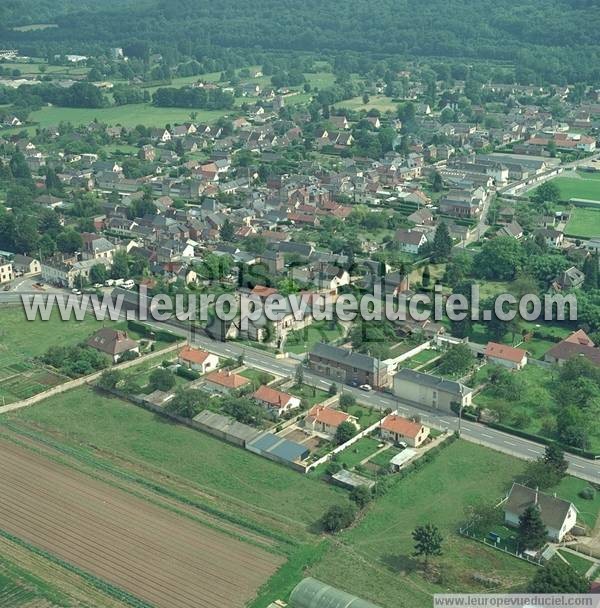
(397, 429)
(6, 271)
(348, 367)
(431, 391)
(199, 360)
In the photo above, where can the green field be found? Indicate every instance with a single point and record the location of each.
(374, 559)
(584, 222)
(21, 341)
(229, 478)
(303, 340)
(376, 102)
(585, 186)
(127, 116)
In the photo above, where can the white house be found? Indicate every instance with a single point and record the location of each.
(398, 429)
(199, 360)
(559, 516)
(6, 271)
(506, 356)
(410, 240)
(277, 402)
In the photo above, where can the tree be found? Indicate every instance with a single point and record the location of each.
(361, 495)
(98, 273)
(547, 192)
(426, 277)
(109, 379)
(345, 431)
(499, 259)
(227, 231)
(554, 458)
(428, 541)
(347, 400)
(442, 244)
(69, 241)
(186, 403)
(338, 517)
(437, 183)
(120, 266)
(590, 269)
(299, 378)
(558, 577)
(458, 359)
(532, 532)
(162, 379)
(482, 517)
(332, 389)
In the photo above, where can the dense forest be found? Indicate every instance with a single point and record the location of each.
(546, 39)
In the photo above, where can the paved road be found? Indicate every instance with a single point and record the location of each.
(471, 431)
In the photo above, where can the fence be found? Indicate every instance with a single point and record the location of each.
(344, 446)
(537, 561)
(61, 388)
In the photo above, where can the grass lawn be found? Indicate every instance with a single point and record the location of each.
(127, 116)
(310, 395)
(356, 453)
(256, 376)
(376, 102)
(589, 510)
(229, 478)
(303, 340)
(366, 415)
(439, 492)
(422, 358)
(21, 341)
(584, 222)
(578, 187)
(580, 564)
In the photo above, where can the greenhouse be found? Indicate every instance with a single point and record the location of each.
(311, 593)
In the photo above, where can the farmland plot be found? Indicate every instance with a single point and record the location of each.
(154, 554)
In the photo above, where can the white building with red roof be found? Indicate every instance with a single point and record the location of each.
(323, 419)
(507, 356)
(277, 402)
(199, 360)
(397, 429)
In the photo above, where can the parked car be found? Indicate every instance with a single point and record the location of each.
(76, 292)
(366, 387)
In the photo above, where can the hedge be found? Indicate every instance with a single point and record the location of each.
(144, 330)
(188, 374)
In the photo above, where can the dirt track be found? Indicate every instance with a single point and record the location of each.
(158, 556)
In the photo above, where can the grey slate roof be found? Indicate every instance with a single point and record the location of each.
(431, 381)
(345, 357)
(552, 510)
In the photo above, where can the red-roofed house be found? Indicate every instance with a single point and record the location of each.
(323, 419)
(199, 360)
(507, 356)
(224, 381)
(400, 430)
(277, 402)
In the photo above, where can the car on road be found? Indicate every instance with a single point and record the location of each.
(98, 286)
(366, 387)
(6, 288)
(76, 292)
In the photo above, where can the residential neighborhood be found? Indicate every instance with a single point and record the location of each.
(298, 310)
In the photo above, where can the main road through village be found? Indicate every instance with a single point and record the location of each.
(470, 431)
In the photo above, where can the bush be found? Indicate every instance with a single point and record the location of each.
(188, 374)
(338, 517)
(588, 493)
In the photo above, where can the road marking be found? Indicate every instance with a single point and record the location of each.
(534, 451)
(510, 443)
(578, 465)
(486, 435)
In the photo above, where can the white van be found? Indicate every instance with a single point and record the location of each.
(129, 284)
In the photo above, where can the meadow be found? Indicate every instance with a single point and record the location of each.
(439, 492)
(226, 477)
(584, 222)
